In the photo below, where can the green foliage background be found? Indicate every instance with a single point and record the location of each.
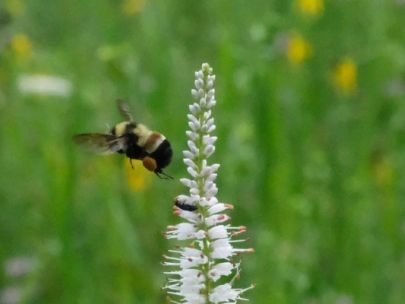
(315, 174)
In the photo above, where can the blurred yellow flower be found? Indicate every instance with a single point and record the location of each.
(132, 7)
(298, 49)
(345, 76)
(138, 178)
(383, 173)
(310, 7)
(15, 7)
(21, 45)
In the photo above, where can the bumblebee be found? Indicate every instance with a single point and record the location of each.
(133, 139)
(181, 202)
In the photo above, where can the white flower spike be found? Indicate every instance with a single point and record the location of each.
(208, 254)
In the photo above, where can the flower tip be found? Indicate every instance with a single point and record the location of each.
(176, 210)
(229, 206)
(169, 230)
(250, 250)
(205, 66)
(241, 229)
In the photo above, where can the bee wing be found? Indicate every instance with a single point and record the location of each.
(123, 108)
(100, 143)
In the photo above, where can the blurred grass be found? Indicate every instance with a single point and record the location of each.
(314, 168)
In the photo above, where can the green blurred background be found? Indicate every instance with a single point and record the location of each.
(310, 119)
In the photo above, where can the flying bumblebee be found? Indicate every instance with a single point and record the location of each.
(134, 140)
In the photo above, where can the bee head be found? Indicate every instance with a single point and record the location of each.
(163, 155)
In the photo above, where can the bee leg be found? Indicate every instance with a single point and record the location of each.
(163, 175)
(130, 161)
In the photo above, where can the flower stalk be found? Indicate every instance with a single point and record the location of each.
(207, 253)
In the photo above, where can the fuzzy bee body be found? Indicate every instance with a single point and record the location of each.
(135, 140)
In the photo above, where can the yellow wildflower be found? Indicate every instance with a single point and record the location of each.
(15, 7)
(298, 49)
(345, 76)
(132, 7)
(383, 172)
(21, 45)
(138, 178)
(310, 7)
